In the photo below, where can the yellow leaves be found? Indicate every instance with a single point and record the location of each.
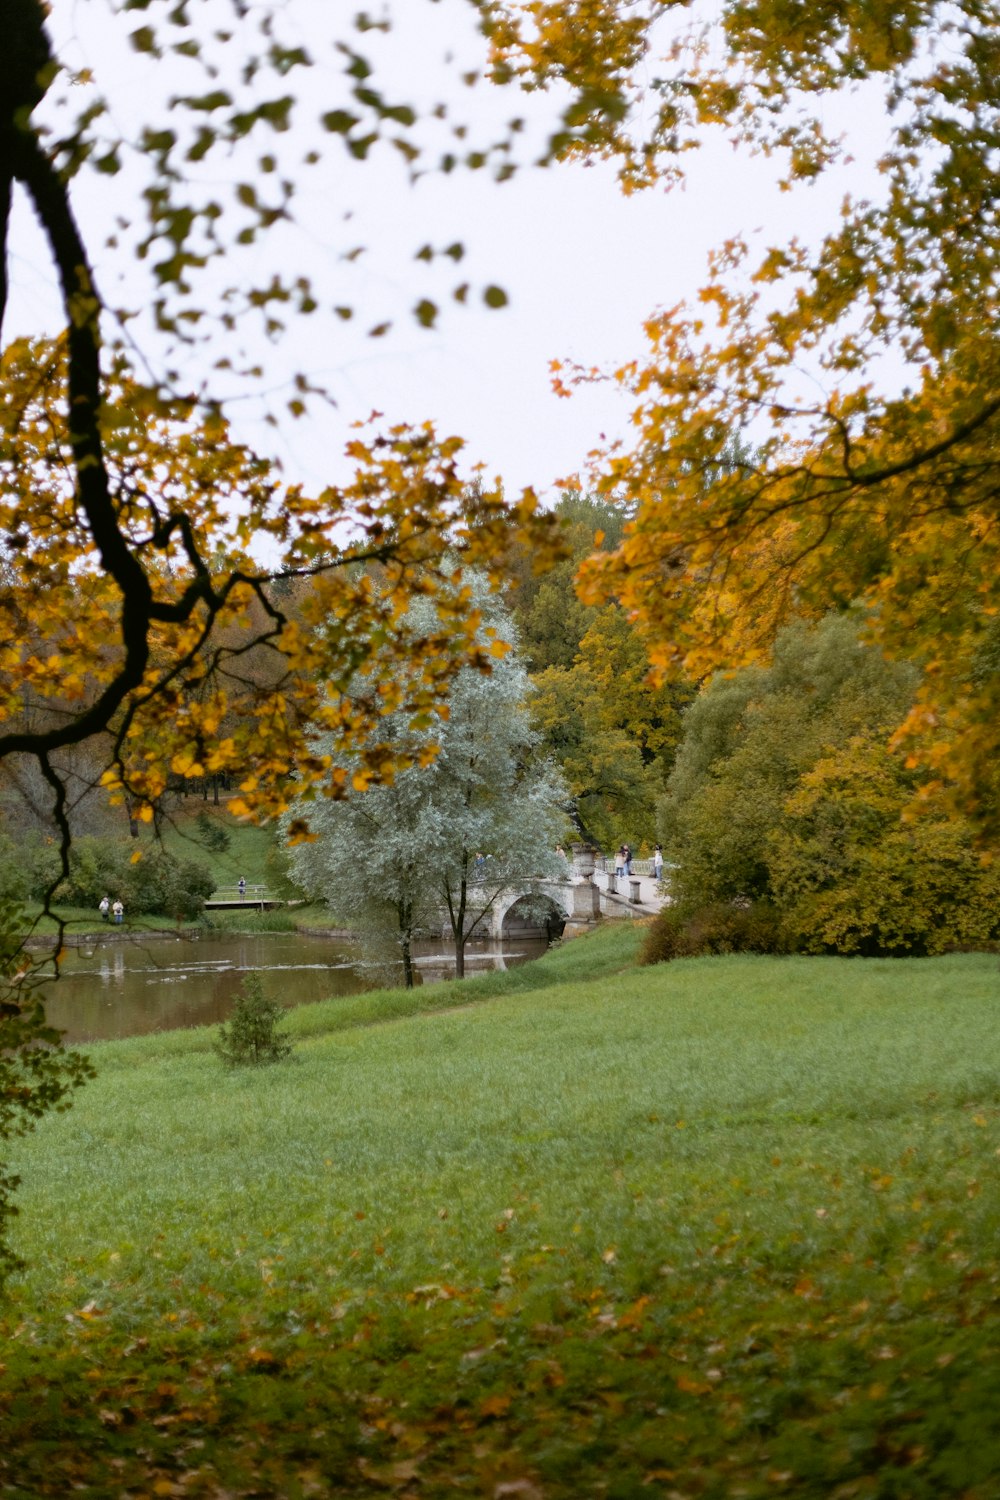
(212, 700)
(495, 1406)
(184, 763)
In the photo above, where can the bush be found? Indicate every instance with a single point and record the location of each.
(253, 1035)
(718, 928)
(160, 883)
(97, 867)
(155, 883)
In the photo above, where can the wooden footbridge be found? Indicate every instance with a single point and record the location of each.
(253, 898)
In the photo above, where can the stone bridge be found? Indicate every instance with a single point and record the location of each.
(572, 905)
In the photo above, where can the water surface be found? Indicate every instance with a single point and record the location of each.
(128, 985)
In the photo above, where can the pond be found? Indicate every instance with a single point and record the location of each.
(128, 986)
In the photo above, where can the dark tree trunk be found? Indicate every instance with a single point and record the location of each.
(458, 925)
(405, 912)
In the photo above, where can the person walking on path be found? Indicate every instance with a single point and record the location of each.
(118, 911)
(657, 863)
(104, 907)
(619, 863)
(627, 858)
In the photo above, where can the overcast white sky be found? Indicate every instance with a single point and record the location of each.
(582, 264)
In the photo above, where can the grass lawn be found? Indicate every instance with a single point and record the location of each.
(725, 1227)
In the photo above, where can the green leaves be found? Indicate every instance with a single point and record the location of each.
(340, 121)
(143, 39)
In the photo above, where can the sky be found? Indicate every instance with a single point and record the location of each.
(582, 264)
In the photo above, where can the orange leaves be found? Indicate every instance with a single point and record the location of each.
(495, 1406)
(241, 667)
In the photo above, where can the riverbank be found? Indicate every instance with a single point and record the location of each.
(723, 1227)
(83, 928)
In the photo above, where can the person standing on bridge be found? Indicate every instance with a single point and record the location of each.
(242, 888)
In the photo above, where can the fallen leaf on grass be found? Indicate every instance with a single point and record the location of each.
(494, 1406)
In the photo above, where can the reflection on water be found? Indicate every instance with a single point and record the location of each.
(132, 985)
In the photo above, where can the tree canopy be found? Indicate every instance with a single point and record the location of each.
(875, 487)
(861, 367)
(440, 843)
(785, 796)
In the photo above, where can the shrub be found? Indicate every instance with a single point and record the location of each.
(719, 928)
(155, 883)
(97, 867)
(160, 883)
(253, 1035)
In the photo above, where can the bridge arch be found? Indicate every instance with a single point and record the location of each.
(529, 913)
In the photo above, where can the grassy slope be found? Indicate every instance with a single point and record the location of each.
(250, 852)
(723, 1227)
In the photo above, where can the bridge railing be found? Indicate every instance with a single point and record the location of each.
(256, 893)
(605, 864)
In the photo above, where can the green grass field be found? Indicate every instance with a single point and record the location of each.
(725, 1227)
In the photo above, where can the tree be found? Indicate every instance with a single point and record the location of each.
(851, 875)
(612, 730)
(785, 795)
(254, 1035)
(613, 795)
(862, 485)
(551, 621)
(448, 835)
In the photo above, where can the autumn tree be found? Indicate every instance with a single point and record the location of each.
(611, 728)
(550, 617)
(861, 368)
(785, 794)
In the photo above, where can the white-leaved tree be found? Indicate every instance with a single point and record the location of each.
(450, 834)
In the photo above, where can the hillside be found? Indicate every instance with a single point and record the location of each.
(720, 1227)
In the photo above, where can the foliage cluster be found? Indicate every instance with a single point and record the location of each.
(29, 867)
(480, 809)
(860, 361)
(254, 1034)
(715, 928)
(786, 796)
(157, 882)
(609, 728)
(719, 1225)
